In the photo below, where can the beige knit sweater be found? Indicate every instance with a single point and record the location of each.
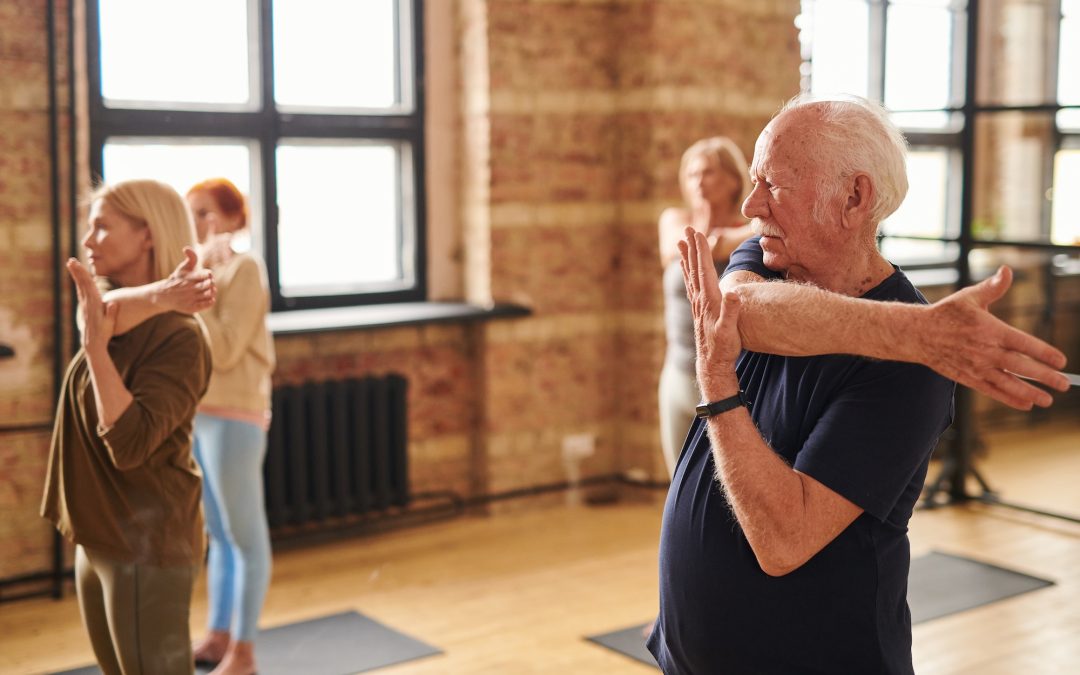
(240, 341)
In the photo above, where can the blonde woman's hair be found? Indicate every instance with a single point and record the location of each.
(158, 207)
(726, 155)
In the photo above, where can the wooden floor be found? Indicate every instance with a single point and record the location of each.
(517, 593)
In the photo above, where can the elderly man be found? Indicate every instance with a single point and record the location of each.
(784, 544)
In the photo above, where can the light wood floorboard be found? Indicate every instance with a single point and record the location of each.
(517, 593)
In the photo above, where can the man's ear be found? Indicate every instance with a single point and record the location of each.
(860, 194)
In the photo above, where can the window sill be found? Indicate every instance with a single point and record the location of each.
(372, 317)
(932, 277)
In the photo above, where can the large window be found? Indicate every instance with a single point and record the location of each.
(311, 107)
(998, 104)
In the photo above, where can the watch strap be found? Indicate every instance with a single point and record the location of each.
(706, 410)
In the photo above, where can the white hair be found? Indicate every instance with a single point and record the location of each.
(857, 136)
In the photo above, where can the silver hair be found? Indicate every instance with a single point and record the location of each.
(857, 136)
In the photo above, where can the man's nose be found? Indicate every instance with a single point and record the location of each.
(754, 204)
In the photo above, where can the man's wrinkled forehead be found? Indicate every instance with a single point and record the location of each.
(786, 144)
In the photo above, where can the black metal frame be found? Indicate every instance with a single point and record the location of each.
(957, 464)
(950, 485)
(266, 126)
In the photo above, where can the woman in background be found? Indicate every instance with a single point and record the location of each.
(714, 178)
(230, 431)
(121, 482)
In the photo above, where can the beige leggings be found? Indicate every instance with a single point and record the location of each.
(678, 398)
(136, 615)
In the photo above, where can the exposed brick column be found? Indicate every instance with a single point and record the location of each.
(577, 114)
(26, 276)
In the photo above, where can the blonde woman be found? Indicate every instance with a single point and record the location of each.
(122, 483)
(714, 179)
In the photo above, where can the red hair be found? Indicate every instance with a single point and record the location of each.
(227, 197)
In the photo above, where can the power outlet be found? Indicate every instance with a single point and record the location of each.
(577, 447)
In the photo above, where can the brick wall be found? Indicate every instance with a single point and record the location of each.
(577, 114)
(572, 115)
(27, 396)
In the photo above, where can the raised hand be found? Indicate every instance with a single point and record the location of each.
(966, 343)
(98, 317)
(716, 318)
(216, 248)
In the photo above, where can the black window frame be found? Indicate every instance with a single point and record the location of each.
(266, 126)
(959, 448)
(967, 111)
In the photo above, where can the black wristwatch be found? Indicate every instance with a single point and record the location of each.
(706, 410)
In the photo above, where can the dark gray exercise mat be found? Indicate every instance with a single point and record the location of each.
(939, 584)
(340, 644)
(628, 642)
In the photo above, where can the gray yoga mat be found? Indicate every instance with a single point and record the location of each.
(939, 584)
(339, 644)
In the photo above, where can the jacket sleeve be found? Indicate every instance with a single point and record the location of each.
(166, 386)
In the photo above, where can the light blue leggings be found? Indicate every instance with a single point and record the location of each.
(231, 454)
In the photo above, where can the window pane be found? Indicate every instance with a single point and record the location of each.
(159, 53)
(1034, 284)
(339, 225)
(183, 162)
(1069, 65)
(351, 45)
(1012, 176)
(1014, 63)
(1065, 218)
(911, 252)
(838, 33)
(918, 62)
(924, 212)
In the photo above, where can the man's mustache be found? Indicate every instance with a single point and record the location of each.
(764, 229)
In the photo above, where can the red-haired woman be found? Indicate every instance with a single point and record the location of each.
(230, 431)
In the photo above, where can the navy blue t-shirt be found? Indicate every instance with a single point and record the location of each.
(863, 428)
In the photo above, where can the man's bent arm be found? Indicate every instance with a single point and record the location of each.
(957, 337)
(786, 515)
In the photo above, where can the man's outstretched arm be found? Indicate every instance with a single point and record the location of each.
(957, 336)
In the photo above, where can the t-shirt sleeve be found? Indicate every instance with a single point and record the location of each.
(877, 433)
(750, 258)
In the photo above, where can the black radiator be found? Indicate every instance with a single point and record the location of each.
(336, 448)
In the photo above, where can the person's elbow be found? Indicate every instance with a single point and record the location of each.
(126, 461)
(780, 560)
(778, 567)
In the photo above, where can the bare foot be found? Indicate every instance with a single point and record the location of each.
(239, 660)
(211, 649)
